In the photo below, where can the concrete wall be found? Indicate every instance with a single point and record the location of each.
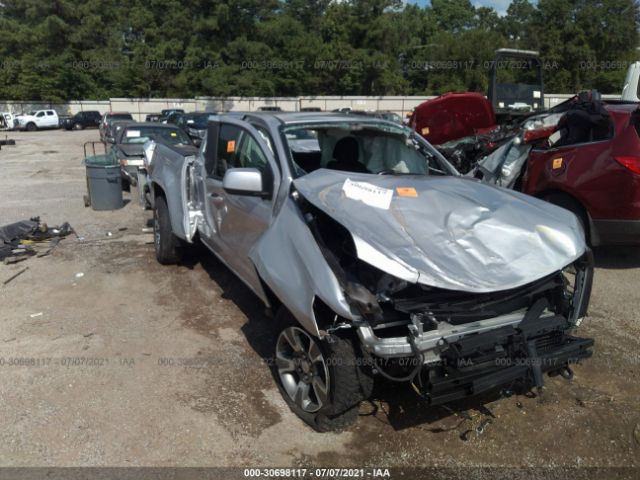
(140, 107)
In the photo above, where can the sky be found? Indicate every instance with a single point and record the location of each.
(499, 6)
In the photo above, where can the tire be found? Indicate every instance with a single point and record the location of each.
(346, 384)
(569, 203)
(166, 244)
(78, 126)
(31, 127)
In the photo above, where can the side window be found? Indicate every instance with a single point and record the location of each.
(251, 155)
(209, 150)
(228, 146)
(40, 114)
(50, 113)
(265, 136)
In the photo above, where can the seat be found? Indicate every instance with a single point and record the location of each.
(345, 156)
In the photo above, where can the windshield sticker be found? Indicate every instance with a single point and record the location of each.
(367, 193)
(174, 134)
(133, 133)
(231, 146)
(406, 192)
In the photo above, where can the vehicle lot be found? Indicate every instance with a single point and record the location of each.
(138, 364)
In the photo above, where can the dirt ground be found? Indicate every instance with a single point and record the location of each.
(174, 372)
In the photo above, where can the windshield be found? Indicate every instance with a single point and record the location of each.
(198, 121)
(172, 136)
(363, 148)
(115, 118)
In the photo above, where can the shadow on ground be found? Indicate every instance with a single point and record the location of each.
(617, 257)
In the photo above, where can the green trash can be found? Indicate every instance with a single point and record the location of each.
(104, 182)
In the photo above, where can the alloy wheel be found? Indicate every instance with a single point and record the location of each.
(302, 369)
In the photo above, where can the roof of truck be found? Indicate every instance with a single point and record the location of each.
(319, 117)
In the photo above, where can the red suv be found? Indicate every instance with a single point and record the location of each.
(594, 173)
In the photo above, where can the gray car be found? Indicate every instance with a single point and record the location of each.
(128, 146)
(377, 259)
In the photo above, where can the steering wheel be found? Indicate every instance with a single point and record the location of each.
(387, 171)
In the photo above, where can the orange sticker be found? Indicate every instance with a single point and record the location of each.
(406, 192)
(557, 163)
(231, 146)
(425, 131)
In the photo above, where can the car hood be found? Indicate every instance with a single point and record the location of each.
(131, 149)
(447, 232)
(453, 115)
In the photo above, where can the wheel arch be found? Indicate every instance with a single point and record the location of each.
(572, 199)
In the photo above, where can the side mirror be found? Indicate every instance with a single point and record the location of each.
(244, 181)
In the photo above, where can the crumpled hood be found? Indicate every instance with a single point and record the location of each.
(448, 232)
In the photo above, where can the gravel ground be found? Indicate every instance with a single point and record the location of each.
(174, 372)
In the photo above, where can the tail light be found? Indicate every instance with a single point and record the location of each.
(630, 163)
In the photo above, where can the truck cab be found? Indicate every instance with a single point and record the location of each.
(38, 119)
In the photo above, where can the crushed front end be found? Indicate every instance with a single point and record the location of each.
(452, 344)
(455, 344)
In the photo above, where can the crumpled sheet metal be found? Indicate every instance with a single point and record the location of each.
(456, 233)
(288, 259)
(503, 166)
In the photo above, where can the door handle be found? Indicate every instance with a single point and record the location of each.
(216, 199)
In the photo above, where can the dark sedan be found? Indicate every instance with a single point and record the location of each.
(129, 145)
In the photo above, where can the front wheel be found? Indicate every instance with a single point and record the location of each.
(78, 126)
(322, 381)
(31, 127)
(166, 244)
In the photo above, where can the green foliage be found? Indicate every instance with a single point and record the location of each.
(61, 50)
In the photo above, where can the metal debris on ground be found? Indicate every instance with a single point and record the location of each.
(30, 237)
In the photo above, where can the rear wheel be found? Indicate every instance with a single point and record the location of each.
(322, 382)
(166, 244)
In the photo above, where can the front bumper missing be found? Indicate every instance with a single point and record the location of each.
(464, 360)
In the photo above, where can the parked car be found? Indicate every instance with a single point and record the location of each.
(173, 118)
(164, 114)
(152, 117)
(384, 114)
(379, 259)
(7, 121)
(129, 146)
(195, 124)
(82, 120)
(584, 157)
(105, 124)
(36, 120)
(115, 128)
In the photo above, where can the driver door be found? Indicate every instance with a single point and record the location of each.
(235, 221)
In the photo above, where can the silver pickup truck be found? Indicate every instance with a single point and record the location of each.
(378, 259)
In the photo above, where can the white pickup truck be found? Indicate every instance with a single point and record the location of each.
(38, 119)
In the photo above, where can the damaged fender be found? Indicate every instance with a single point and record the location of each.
(289, 261)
